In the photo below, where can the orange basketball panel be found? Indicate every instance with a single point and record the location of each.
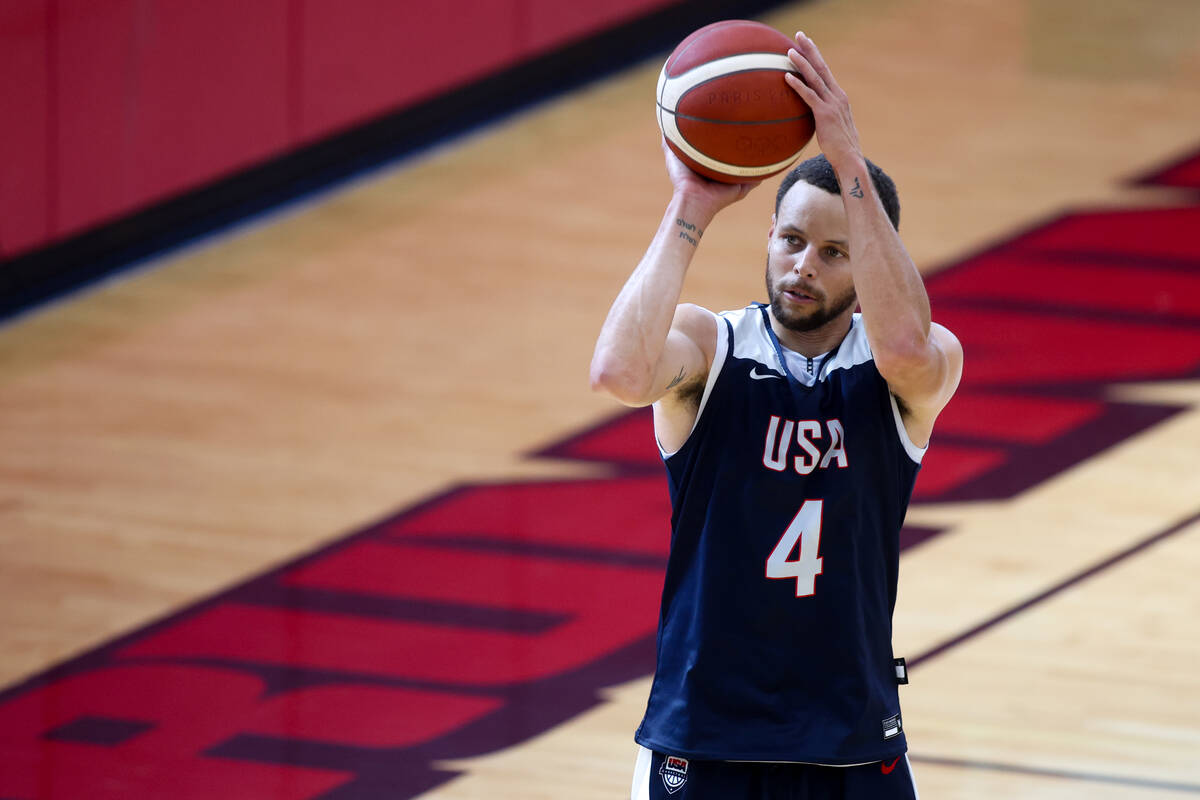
(722, 39)
(752, 96)
(750, 144)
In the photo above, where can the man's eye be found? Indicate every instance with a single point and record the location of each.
(833, 252)
(792, 240)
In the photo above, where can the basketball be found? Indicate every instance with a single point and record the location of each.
(724, 107)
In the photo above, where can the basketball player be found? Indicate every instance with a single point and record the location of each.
(792, 433)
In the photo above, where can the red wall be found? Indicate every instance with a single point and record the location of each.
(107, 106)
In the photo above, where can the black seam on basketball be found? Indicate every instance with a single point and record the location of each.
(678, 57)
(693, 160)
(686, 158)
(677, 115)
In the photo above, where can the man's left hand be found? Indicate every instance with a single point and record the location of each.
(836, 135)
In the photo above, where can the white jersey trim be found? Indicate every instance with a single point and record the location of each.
(713, 371)
(914, 452)
(752, 342)
(913, 778)
(641, 775)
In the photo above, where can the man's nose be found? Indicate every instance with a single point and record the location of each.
(806, 262)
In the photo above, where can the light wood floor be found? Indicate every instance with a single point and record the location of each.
(263, 391)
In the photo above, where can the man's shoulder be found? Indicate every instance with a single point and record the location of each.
(736, 314)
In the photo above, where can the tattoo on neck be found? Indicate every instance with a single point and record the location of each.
(688, 229)
(678, 379)
(856, 190)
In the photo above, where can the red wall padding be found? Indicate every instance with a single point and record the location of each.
(152, 103)
(25, 177)
(107, 106)
(364, 58)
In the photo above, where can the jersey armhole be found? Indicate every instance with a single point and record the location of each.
(724, 335)
(914, 452)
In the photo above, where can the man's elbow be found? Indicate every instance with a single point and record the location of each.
(618, 382)
(603, 378)
(902, 360)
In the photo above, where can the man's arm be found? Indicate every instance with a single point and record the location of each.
(921, 361)
(641, 352)
(650, 348)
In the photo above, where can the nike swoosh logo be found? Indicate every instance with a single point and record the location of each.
(754, 375)
(886, 769)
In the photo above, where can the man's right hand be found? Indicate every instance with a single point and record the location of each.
(713, 194)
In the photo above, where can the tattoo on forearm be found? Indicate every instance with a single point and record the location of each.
(688, 229)
(856, 190)
(678, 379)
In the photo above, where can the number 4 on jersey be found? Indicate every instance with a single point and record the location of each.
(806, 527)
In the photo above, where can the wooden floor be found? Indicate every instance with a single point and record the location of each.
(260, 392)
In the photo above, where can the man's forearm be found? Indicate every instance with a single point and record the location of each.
(889, 287)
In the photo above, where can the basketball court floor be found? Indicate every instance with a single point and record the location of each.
(322, 506)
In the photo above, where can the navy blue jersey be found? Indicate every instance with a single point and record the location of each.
(774, 639)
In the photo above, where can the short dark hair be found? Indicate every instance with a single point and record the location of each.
(819, 172)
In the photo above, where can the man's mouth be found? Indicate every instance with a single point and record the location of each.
(799, 296)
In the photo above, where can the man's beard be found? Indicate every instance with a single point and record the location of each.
(821, 314)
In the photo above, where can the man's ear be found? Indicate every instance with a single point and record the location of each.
(771, 230)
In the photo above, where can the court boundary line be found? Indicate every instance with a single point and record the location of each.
(1062, 585)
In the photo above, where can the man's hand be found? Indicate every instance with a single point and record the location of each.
(712, 195)
(836, 135)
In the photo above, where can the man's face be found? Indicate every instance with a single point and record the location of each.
(808, 259)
